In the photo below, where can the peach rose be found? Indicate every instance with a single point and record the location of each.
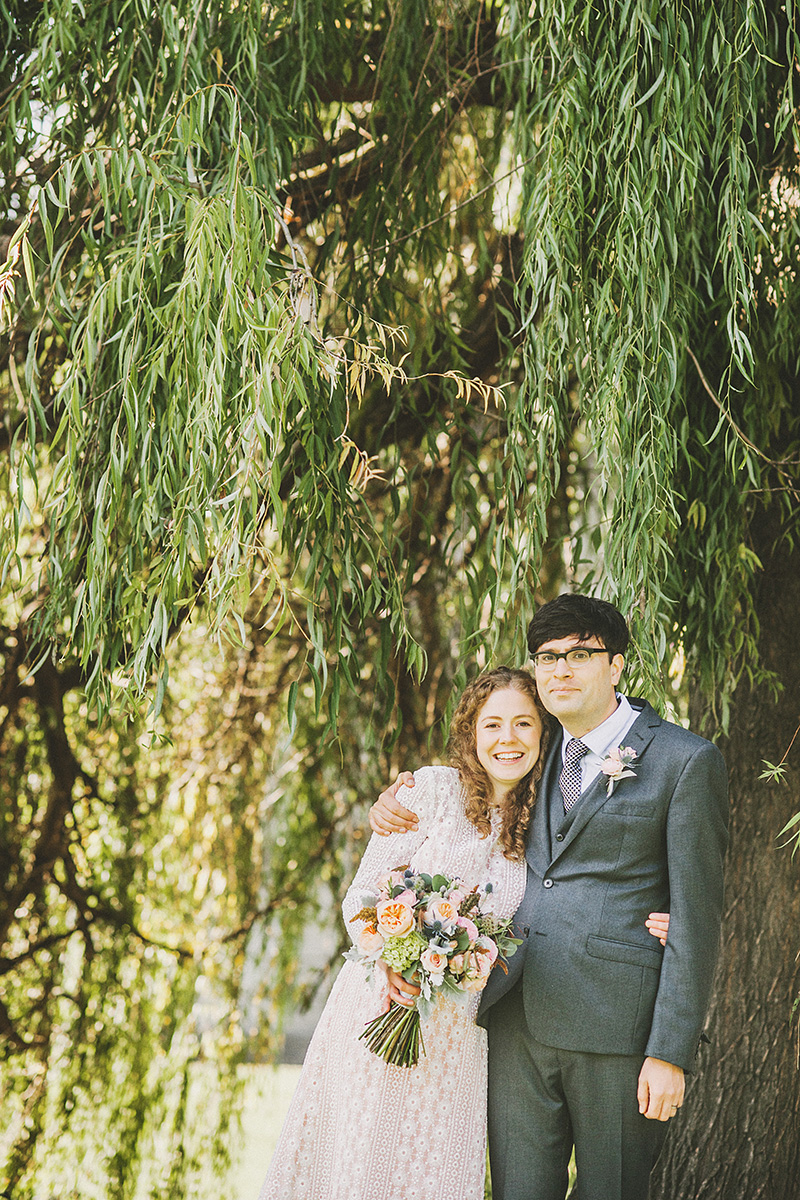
(472, 980)
(370, 942)
(433, 961)
(395, 918)
(478, 965)
(441, 909)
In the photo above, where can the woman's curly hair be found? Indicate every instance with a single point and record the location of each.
(463, 755)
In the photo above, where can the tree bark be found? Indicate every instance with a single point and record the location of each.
(738, 1136)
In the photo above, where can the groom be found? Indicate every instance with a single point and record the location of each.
(591, 1030)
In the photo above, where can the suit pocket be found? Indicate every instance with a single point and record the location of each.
(623, 952)
(630, 808)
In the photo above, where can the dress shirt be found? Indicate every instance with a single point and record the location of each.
(604, 737)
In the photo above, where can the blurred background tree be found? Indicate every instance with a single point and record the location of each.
(334, 337)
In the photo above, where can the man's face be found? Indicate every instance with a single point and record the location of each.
(579, 696)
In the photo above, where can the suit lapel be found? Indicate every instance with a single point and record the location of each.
(638, 738)
(641, 733)
(537, 851)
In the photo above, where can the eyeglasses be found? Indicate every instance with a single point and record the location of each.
(579, 657)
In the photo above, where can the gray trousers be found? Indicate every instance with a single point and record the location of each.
(542, 1101)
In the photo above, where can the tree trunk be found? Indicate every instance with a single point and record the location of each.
(738, 1137)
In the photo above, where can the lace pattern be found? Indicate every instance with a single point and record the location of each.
(357, 1128)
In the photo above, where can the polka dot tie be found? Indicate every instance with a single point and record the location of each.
(570, 779)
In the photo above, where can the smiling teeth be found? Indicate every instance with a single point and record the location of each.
(511, 757)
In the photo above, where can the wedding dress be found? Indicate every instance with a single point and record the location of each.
(358, 1128)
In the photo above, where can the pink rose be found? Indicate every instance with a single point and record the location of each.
(617, 765)
(394, 918)
(457, 964)
(469, 926)
(485, 947)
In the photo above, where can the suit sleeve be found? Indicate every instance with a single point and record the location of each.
(696, 837)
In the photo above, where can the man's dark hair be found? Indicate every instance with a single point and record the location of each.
(582, 617)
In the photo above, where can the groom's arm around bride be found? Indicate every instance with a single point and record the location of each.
(593, 1028)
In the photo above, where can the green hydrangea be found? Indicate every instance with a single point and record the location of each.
(401, 952)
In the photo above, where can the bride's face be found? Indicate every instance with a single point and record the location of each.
(507, 733)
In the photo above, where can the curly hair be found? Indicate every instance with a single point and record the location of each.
(463, 755)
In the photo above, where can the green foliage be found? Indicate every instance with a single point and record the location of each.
(652, 265)
(777, 773)
(254, 256)
(201, 415)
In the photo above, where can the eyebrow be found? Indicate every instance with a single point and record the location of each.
(516, 717)
(582, 644)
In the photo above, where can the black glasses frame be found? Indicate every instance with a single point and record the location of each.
(566, 653)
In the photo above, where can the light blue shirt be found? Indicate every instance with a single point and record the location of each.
(606, 736)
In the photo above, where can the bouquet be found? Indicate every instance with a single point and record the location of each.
(435, 933)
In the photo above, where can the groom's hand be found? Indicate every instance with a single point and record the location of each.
(660, 1091)
(387, 815)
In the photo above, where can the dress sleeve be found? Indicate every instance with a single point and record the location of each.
(384, 853)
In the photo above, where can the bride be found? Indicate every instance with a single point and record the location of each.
(359, 1128)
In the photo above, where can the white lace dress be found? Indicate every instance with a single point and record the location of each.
(357, 1128)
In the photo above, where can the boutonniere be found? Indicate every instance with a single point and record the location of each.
(617, 766)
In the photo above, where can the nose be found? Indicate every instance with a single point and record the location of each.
(562, 667)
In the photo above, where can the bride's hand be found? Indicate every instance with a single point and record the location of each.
(658, 924)
(400, 990)
(387, 815)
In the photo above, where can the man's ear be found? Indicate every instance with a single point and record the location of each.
(617, 666)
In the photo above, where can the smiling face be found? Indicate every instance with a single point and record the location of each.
(583, 695)
(507, 733)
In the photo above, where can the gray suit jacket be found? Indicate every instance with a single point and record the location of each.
(593, 978)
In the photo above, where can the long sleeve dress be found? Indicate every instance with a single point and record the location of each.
(359, 1128)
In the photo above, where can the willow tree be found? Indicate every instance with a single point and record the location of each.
(347, 331)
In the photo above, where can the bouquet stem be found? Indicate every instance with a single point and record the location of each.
(395, 1036)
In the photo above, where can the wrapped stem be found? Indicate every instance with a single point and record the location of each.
(395, 1036)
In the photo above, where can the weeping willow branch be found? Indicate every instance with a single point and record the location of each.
(222, 464)
(786, 462)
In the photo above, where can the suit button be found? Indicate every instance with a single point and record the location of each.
(559, 837)
(548, 883)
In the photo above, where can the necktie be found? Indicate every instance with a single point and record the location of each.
(570, 779)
